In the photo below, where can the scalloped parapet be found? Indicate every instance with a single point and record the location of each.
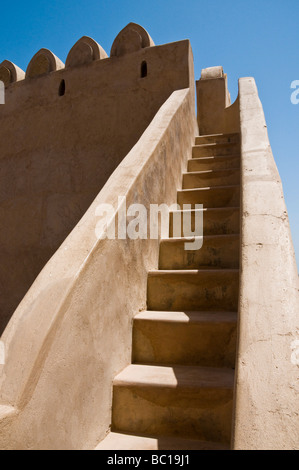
(85, 50)
(10, 73)
(42, 63)
(131, 39)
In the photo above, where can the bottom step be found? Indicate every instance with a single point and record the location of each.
(118, 441)
(181, 401)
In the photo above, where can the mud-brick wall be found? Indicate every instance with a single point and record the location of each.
(57, 152)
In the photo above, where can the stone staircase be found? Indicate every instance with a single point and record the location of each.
(178, 392)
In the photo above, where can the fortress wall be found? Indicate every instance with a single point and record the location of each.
(57, 152)
(72, 332)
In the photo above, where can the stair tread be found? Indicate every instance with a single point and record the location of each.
(202, 172)
(190, 272)
(214, 163)
(210, 187)
(121, 441)
(215, 144)
(204, 209)
(214, 157)
(175, 376)
(229, 134)
(205, 237)
(187, 317)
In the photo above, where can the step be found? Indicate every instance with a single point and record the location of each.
(185, 338)
(119, 441)
(213, 150)
(193, 290)
(215, 196)
(213, 163)
(216, 221)
(181, 401)
(217, 138)
(202, 179)
(217, 251)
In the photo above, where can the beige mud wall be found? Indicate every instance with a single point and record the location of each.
(57, 152)
(267, 391)
(72, 332)
(267, 371)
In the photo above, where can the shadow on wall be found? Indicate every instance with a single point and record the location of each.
(64, 130)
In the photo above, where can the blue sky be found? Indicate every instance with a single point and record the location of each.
(258, 38)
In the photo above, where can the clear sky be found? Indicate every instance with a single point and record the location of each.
(258, 38)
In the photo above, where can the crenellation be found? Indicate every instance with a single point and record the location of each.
(42, 63)
(85, 51)
(10, 73)
(131, 39)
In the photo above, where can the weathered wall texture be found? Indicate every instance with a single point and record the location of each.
(266, 415)
(57, 152)
(72, 333)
